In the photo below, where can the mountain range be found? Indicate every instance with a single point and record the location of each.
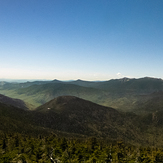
(127, 109)
(122, 94)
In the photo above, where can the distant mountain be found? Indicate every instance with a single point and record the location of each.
(40, 94)
(142, 85)
(123, 94)
(84, 83)
(13, 102)
(17, 85)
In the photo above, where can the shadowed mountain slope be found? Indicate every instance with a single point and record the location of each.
(17, 120)
(13, 102)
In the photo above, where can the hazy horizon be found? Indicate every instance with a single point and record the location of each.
(88, 40)
(32, 80)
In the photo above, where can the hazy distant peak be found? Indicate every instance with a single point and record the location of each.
(125, 79)
(56, 81)
(151, 78)
(79, 80)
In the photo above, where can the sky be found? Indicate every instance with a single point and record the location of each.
(81, 39)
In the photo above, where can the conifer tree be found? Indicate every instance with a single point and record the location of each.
(4, 145)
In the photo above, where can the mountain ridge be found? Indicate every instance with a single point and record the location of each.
(125, 94)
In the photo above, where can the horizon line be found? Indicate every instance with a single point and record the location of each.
(68, 80)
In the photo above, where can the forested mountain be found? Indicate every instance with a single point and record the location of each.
(141, 85)
(17, 120)
(75, 115)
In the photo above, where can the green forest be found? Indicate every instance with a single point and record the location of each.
(46, 149)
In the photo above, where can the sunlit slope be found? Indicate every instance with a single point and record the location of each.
(152, 104)
(40, 94)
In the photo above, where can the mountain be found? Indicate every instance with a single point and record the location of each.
(84, 83)
(17, 85)
(13, 102)
(74, 115)
(142, 85)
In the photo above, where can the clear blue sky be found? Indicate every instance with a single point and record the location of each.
(86, 39)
